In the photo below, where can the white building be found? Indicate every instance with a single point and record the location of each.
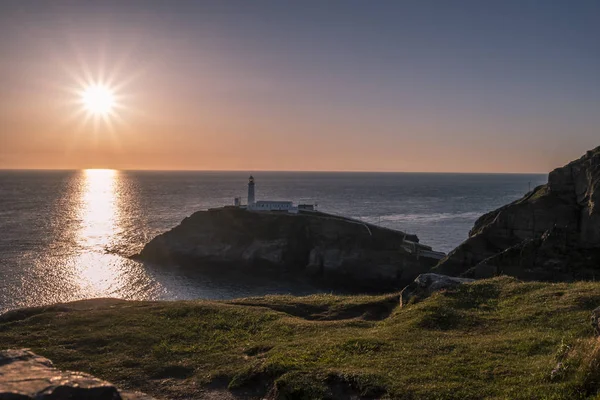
(269, 205)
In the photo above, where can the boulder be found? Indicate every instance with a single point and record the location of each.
(25, 375)
(426, 284)
(338, 251)
(552, 233)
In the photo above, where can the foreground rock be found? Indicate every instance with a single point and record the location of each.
(25, 375)
(337, 250)
(553, 233)
(427, 284)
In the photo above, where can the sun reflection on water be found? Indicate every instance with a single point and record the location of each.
(99, 216)
(99, 208)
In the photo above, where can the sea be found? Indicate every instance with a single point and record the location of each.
(69, 235)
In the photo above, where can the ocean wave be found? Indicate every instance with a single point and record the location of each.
(425, 217)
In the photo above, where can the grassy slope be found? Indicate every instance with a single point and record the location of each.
(497, 338)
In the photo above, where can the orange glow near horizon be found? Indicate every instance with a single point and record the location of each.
(118, 115)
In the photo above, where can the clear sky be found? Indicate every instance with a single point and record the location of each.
(399, 85)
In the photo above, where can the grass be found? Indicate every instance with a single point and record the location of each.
(497, 338)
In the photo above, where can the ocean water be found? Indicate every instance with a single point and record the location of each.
(67, 235)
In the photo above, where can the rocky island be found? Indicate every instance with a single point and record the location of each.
(333, 249)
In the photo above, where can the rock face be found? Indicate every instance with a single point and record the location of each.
(25, 375)
(330, 248)
(427, 284)
(553, 233)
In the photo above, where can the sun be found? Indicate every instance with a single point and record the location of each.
(98, 99)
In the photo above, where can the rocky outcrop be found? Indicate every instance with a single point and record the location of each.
(25, 375)
(427, 284)
(331, 248)
(555, 256)
(553, 233)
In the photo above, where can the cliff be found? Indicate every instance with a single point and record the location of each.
(552, 233)
(330, 248)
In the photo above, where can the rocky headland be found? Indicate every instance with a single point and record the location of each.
(552, 233)
(331, 249)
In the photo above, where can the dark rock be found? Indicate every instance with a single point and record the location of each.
(552, 233)
(25, 375)
(426, 284)
(555, 256)
(333, 249)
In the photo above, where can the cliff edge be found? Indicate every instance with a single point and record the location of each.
(552, 233)
(333, 249)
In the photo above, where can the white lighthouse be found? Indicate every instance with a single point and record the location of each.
(269, 205)
(251, 199)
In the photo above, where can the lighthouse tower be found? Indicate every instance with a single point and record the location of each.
(251, 200)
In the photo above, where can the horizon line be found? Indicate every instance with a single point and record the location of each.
(251, 171)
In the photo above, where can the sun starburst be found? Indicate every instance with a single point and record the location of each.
(98, 99)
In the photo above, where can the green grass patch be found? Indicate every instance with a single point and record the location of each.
(497, 338)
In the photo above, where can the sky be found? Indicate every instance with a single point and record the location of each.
(399, 85)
